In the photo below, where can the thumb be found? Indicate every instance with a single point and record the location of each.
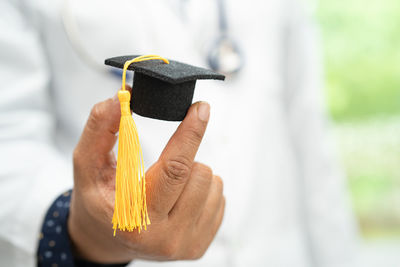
(170, 174)
(99, 135)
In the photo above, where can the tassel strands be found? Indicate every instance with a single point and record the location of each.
(130, 210)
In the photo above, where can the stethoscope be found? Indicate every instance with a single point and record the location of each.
(224, 56)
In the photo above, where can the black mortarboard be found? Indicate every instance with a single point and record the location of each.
(163, 91)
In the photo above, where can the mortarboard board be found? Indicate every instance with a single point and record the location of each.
(163, 91)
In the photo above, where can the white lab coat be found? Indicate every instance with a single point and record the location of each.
(287, 203)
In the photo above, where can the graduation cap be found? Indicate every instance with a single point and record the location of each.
(163, 91)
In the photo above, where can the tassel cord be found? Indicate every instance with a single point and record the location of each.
(130, 211)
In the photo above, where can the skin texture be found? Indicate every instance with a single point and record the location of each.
(185, 200)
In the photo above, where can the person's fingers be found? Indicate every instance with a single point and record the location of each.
(213, 203)
(208, 230)
(186, 140)
(171, 172)
(99, 135)
(213, 223)
(219, 217)
(193, 198)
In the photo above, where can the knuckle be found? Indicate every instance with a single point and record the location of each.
(218, 180)
(202, 170)
(203, 174)
(170, 250)
(97, 111)
(195, 253)
(219, 183)
(177, 169)
(96, 114)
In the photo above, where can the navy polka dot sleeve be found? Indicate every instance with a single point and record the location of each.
(54, 244)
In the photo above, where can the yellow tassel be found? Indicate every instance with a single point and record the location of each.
(130, 210)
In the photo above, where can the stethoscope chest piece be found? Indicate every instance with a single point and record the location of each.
(225, 56)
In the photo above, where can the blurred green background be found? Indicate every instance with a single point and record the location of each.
(361, 41)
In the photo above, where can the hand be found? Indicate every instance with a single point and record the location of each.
(185, 200)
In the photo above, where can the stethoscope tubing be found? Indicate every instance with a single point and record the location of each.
(214, 56)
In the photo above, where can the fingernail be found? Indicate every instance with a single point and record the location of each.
(203, 111)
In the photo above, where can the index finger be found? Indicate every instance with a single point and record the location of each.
(186, 140)
(170, 174)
